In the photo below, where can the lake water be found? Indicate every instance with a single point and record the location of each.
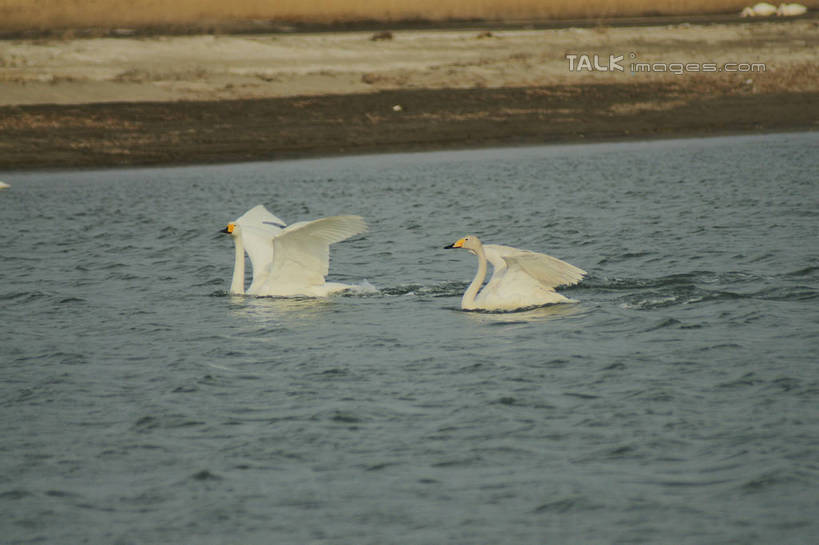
(677, 402)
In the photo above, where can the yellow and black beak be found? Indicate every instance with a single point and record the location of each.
(457, 244)
(229, 229)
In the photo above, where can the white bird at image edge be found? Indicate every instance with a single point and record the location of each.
(520, 278)
(4, 185)
(287, 260)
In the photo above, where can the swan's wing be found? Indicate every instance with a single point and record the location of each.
(259, 216)
(301, 252)
(549, 271)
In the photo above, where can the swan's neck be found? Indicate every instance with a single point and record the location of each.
(471, 292)
(237, 285)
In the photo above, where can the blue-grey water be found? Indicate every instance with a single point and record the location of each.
(677, 402)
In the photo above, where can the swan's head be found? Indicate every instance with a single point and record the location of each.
(231, 229)
(469, 242)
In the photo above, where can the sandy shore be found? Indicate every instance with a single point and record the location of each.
(204, 98)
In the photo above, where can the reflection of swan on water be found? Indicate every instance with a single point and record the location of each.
(279, 315)
(520, 278)
(287, 260)
(522, 317)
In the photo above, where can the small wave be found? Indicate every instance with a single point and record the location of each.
(762, 258)
(689, 279)
(624, 284)
(746, 380)
(444, 289)
(788, 293)
(551, 309)
(807, 271)
(567, 505)
(71, 300)
(769, 479)
(786, 384)
(125, 276)
(623, 257)
(211, 282)
(652, 301)
(679, 483)
(205, 475)
(658, 299)
(580, 395)
(23, 296)
(670, 322)
(362, 288)
(149, 423)
(15, 494)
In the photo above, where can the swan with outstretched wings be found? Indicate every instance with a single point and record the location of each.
(520, 278)
(287, 260)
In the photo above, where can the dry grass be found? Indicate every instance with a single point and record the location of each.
(55, 14)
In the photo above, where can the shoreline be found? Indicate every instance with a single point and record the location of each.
(44, 137)
(403, 150)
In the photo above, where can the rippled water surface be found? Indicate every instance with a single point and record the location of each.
(676, 403)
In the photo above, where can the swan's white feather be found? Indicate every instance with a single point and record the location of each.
(259, 215)
(549, 271)
(301, 255)
(258, 226)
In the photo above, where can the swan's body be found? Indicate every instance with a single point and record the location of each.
(791, 10)
(520, 278)
(4, 185)
(762, 9)
(287, 260)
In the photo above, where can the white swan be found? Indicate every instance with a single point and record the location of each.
(520, 278)
(287, 260)
(4, 185)
(791, 10)
(762, 9)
